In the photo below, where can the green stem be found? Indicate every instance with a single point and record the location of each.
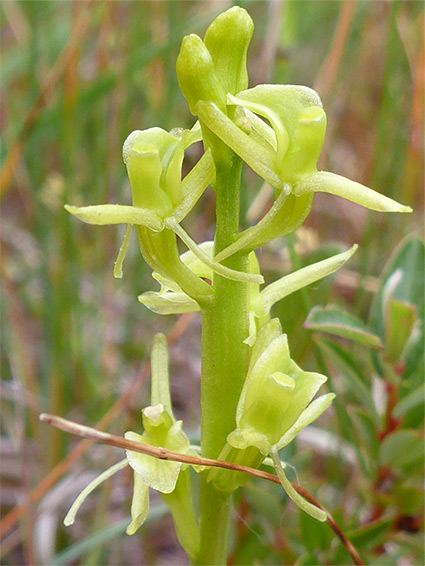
(224, 363)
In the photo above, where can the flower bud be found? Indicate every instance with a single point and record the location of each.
(227, 40)
(196, 74)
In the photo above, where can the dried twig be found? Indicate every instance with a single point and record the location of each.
(163, 454)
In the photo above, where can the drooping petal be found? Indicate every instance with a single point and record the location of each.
(216, 267)
(122, 252)
(299, 279)
(70, 516)
(351, 190)
(302, 503)
(139, 504)
(103, 214)
(310, 414)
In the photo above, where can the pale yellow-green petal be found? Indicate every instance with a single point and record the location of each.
(70, 516)
(216, 267)
(139, 504)
(160, 385)
(158, 474)
(297, 280)
(122, 252)
(168, 302)
(278, 126)
(104, 214)
(302, 503)
(326, 182)
(310, 414)
(194, 184)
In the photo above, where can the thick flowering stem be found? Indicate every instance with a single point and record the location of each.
(224, 364)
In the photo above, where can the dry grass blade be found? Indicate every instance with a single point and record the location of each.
(163, 454)
(67, 55)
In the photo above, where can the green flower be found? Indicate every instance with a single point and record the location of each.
(280, 137)
(276, 403)
(161, 200)
(170, 479)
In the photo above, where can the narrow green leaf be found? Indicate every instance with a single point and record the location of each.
(355, 380)
(371, 534)
(365, 439)
(411, 401)
(335, 321)
(402, 450)
(409, 258)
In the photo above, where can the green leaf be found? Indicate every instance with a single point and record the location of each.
(409, 258)
(339, 323)
(408, 498)
(355, 380)
(316, 536)
(365, 438)
(399, 318)
(371, 534)
(411, 401)
(402, 450)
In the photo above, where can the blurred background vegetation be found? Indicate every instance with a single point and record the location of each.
(76, 78)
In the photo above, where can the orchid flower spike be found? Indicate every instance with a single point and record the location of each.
(276, 403)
